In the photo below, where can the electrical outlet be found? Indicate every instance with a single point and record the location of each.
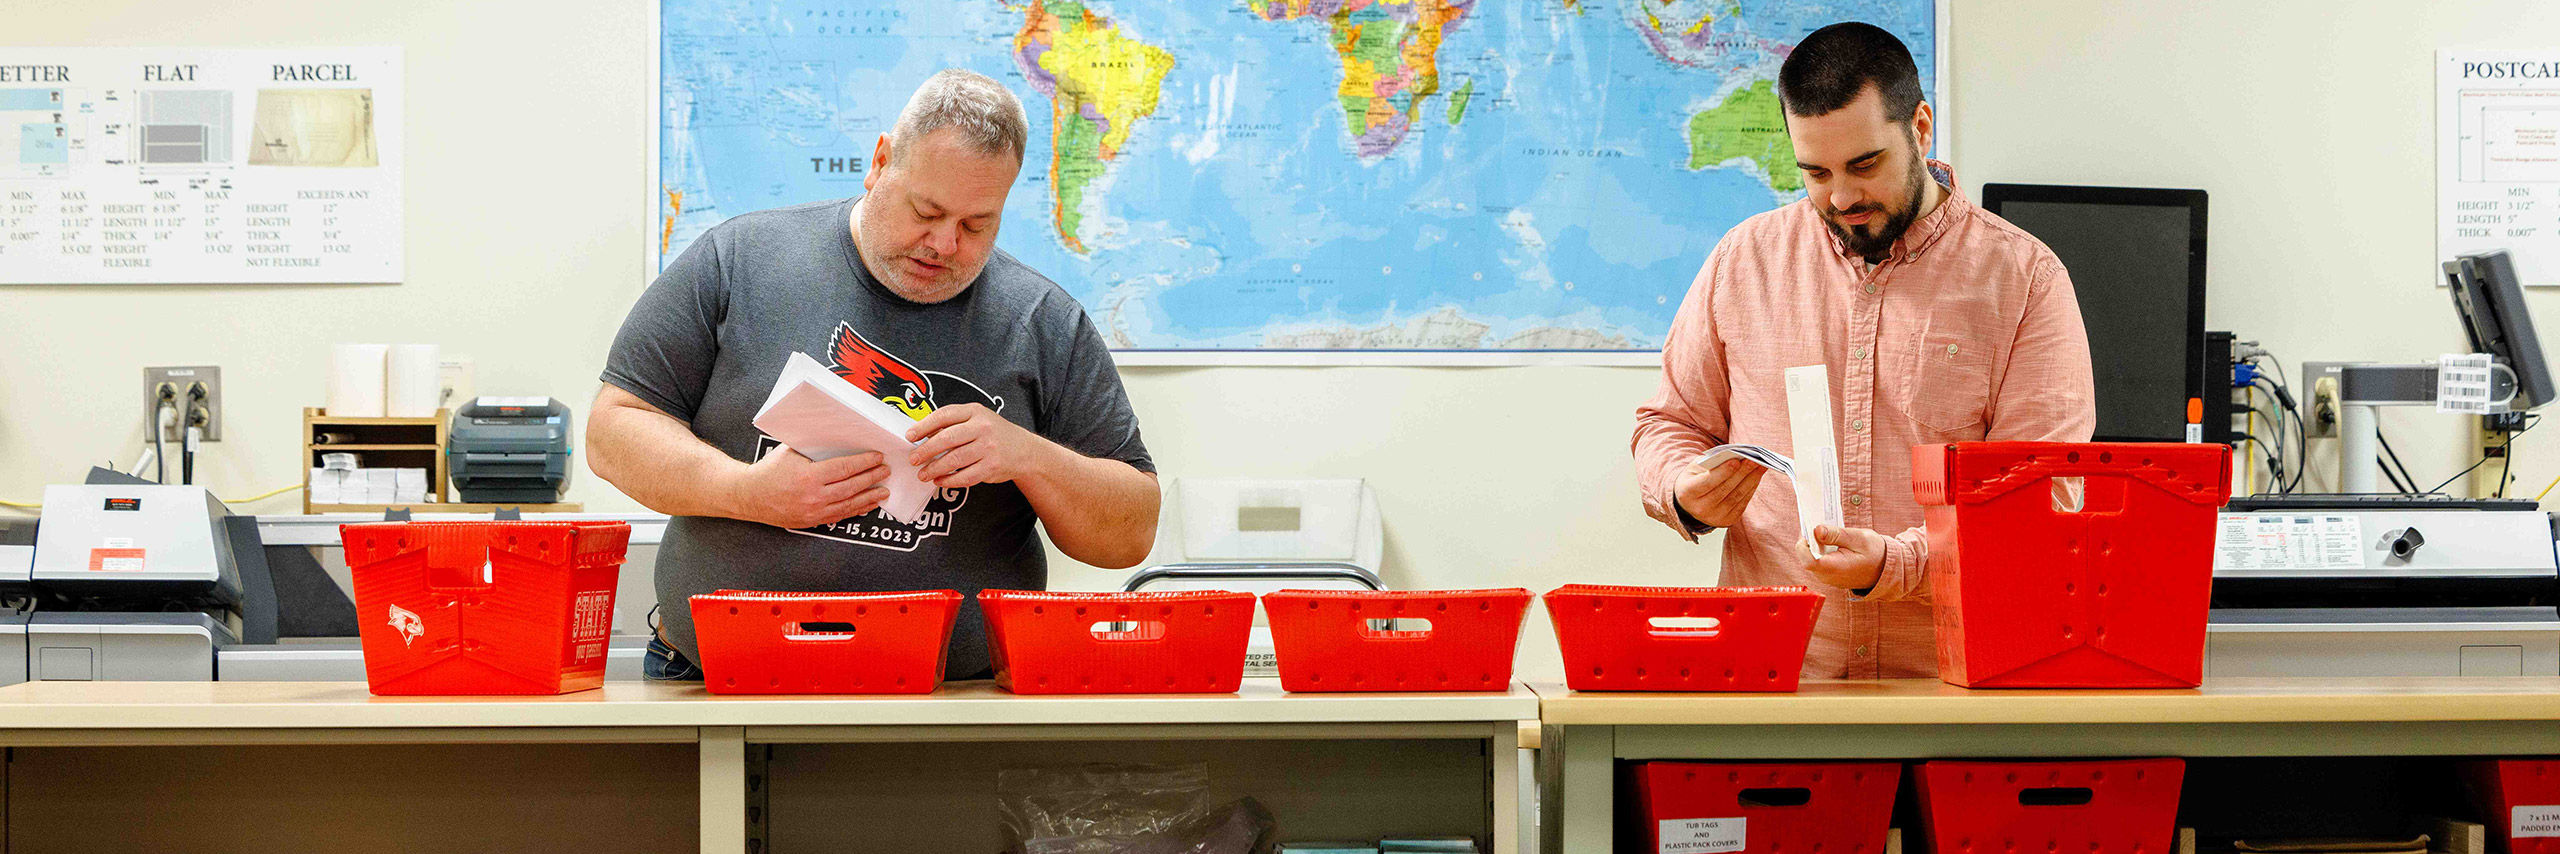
(453, 380)
(180, 382)
(2318, 396)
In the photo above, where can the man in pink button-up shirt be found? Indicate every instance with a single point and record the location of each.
(1938, 322)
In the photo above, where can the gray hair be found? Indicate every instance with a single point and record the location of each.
(989, 117)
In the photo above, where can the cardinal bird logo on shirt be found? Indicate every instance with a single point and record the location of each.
(884, 376)
(914, 392)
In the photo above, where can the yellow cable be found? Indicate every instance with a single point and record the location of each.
(2546, 490)
(258, 497)
(263, 495)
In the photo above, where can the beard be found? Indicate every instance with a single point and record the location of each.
(887, 265)
(1896, 220)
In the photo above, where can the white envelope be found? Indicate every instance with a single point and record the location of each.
(1817, 459)
(824, 417)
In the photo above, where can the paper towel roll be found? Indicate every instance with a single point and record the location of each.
(355, 380)
(411, 381)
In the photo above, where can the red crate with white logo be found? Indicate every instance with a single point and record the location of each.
(2117, 806)
(1762, 807)
(1683, 638)
(2519, 800)
(1189, 642)
(2034, 592)
(1331, 640)
(484, 607)
(766, 642)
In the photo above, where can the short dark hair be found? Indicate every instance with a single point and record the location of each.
(1830, 67)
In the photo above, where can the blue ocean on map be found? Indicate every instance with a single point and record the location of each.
(1286, 174)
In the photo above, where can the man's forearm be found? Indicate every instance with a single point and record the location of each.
(657, 460)
(1099, 511)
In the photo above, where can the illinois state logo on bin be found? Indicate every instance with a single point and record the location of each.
(408, 624)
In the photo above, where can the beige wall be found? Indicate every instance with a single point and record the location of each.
(2309, 120)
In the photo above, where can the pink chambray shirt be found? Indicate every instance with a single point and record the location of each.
(1969, 331)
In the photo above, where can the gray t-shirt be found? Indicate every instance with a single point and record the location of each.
(707, 340)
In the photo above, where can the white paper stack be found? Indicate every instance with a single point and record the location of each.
(327, 486)
(824, 417)
(409, 486)
(368, 486)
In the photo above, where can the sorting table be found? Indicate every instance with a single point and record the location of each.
(1586, 734)
(647, 767)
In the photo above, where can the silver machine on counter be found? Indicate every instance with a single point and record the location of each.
(2384, 585)
(2377, 584)
(133, 582)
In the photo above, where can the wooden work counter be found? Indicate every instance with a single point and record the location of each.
(1587, 734)
(648, 767)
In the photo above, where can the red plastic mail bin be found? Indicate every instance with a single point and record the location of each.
(2122, 806)
(765, 642)
(1189, 642)
(1763, 807)
(484, 607)
(1326, 639)
(2519, 800)
(2033, 592)
(1718, 638)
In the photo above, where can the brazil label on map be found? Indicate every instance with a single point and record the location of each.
(1291, 175)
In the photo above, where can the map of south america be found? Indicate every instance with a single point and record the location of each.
(1100, 83)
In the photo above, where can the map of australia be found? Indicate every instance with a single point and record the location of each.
(1365, 175)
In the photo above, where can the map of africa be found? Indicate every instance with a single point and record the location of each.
(1470, 175)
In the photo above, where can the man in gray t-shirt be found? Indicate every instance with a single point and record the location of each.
(902, 292)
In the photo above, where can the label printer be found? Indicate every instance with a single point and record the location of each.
(510, 450)
(2384, 585)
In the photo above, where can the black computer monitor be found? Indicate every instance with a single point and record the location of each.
(2490, 302)
(2136, 258)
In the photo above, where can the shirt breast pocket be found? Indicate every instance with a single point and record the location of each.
(1951, 391)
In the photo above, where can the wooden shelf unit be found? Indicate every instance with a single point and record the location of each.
(382, 443)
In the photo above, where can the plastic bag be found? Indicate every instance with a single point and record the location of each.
(1125, 809)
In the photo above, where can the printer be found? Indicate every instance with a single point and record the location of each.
(509, 450)
(137, 582)
(17, 551)
(2384, 585)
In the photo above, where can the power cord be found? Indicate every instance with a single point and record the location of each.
(2249, 352)
(196, 418)
(164, 418)
(2530, 422)
(2408, 482)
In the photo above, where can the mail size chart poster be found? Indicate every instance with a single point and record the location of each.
(123, 165)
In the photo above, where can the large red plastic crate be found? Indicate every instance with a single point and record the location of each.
(766, 642)
(484, 607)
(2519, 800)
(2032, 595)
(1325, 642)
(1763, 807)
(1610, 642)
(1189, 642)
(2121, 806)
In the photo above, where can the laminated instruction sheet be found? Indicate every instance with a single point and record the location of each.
(200, 165)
